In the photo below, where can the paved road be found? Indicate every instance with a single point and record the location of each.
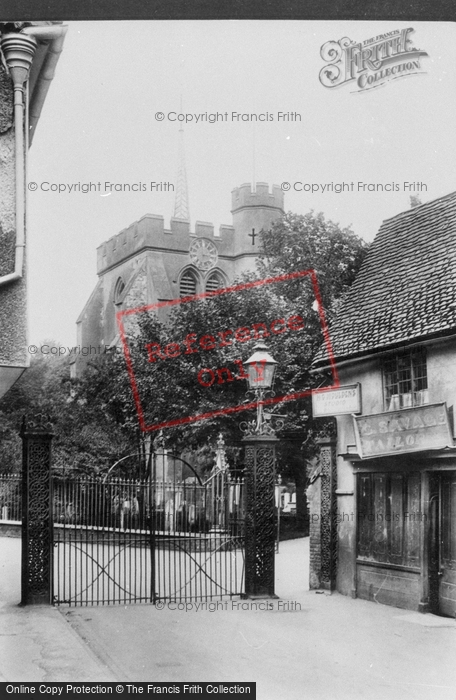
(306, 646)
(36, 643)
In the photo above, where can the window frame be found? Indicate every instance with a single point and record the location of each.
(213, 273)
(416, 366)
(119, 290)
(194, 273)
(391, 537)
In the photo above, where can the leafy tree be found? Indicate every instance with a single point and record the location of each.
(300, 242)
(38, 390)
(93, 431)
(198, 358)
(10, 445)
(87, 438)
(192, 365)
(295, 243)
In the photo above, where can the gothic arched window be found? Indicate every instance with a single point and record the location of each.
(214, 281)
(188, 284)
(118, 291)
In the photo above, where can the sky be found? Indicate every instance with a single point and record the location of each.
(99, 125)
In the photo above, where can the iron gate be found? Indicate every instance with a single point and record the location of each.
(170, 537)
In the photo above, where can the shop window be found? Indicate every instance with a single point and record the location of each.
(405, 380)
(214, 281)
(389, 518)
(188, 284)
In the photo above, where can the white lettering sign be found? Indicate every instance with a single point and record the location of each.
(336, 402)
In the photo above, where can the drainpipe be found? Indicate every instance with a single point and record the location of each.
(18, 51)
(55, 35)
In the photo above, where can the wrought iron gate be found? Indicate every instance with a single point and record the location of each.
(169, 537)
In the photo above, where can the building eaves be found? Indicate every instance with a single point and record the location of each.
(406, 288)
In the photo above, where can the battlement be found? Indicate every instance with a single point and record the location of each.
(244, 196)
(257, 209)
(150, 233)
(204, 228)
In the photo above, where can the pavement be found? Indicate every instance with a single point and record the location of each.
(306, 645)
(36, 642)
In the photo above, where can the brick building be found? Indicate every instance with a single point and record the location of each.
(384, 494)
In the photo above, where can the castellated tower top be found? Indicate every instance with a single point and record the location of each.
(254, 211)
(244, 196)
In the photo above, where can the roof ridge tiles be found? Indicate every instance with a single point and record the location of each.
(406, 287)
(431, 204)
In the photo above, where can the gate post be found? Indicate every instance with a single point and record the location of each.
(260, 522)
(37, 520)
(323, 519)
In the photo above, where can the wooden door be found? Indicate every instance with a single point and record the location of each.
(447, 564)
(434, 542)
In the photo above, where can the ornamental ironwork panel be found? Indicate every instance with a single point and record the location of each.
(328, 519)
(167, 537)
(260, 517)
(36, 516)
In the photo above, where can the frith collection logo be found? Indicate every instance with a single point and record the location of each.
(370, 63)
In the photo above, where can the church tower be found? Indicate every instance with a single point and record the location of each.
(148, 263)
(254, 209)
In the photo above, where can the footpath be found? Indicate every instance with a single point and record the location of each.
(305, 646)
(36, 642)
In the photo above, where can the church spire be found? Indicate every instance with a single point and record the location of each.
(181, 208)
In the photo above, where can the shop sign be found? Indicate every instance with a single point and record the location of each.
(409, 430)
(336, 402)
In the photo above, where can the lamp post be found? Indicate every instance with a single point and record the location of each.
(260, 440)
(261, 368)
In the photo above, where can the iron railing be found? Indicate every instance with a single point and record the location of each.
(10, 498)
(126, 504)
(123, 503)
(123, 541)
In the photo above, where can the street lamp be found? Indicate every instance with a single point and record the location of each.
(261, 368)
(260, 440)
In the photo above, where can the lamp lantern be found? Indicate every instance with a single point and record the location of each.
(260, 462)
(261, 368)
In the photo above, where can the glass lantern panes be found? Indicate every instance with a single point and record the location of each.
(261, 374)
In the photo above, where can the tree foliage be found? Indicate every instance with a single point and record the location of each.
(192, 362)
(200, 337)
(87, 437)
(299, 242)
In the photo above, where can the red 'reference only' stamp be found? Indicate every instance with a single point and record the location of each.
(200, 344)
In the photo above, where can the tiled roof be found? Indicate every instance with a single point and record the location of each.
(406, 288)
